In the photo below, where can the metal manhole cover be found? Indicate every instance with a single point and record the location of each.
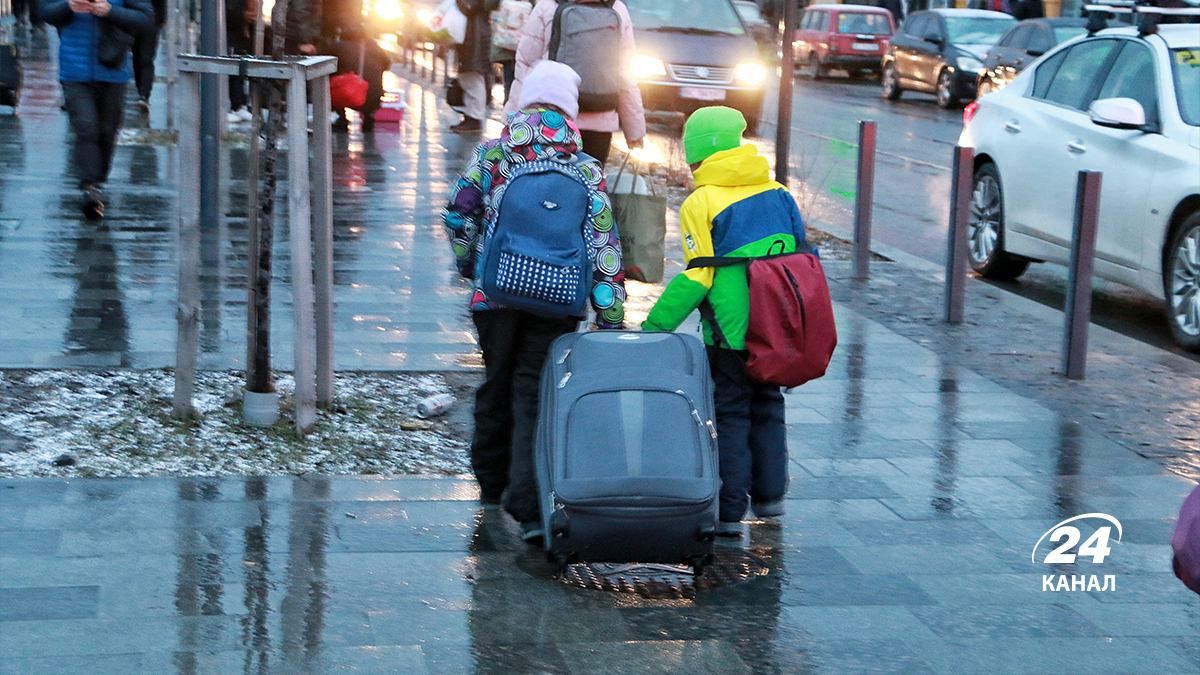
(653, 581)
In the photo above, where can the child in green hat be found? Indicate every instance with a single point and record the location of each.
(736, 210)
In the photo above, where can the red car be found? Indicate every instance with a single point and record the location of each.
(853, 38)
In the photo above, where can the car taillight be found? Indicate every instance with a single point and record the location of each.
(969, 112)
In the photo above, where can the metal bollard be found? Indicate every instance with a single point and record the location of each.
(1079, 273)
(864, 196)
(959, 236)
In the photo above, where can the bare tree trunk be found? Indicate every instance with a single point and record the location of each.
(262, 380)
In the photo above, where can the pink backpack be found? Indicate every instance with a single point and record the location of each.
(1186, 542)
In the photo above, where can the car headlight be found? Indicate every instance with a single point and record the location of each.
(646, 67)
(751, 73)
(969, 64)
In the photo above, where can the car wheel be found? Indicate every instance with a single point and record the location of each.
(890, 83)
(1181, 283)
(945, 90)
(814, 70)
(986, 229)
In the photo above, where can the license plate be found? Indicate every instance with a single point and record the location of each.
(702, 93)
(864, 47)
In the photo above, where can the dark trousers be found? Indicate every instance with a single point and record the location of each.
(145, 48)
(95, 109)
(510, 74)
(239, 39)
(515, 345)
(751, 435)
(597, 144)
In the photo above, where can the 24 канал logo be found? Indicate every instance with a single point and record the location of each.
(1069, 551)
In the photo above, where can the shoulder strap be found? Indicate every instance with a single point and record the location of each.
(556, 31)
(707, 313)
(716, 261)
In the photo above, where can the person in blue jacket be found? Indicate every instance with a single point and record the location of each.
(94, 81)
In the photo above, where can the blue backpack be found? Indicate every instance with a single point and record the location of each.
(536, 256)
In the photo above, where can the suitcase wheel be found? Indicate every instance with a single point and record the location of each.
(559, 525)
(701, 563)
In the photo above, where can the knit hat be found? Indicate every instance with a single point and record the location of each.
(711, 130)
(551, 83)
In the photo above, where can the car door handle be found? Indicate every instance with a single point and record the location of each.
(1012, 126)
(1077, 147)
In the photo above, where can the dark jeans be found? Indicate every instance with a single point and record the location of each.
(145, 48)
(95, 109)
(515, 345)
(751, 435)
(597, 144)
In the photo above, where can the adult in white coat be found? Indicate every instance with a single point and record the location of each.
(597, 127)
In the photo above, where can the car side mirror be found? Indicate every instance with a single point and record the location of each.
(934, 37)
(1034, 51)
(1118, 113)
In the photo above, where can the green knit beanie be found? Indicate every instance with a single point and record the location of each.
(711, 130)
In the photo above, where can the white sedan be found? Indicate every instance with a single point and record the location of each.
(1117, 102)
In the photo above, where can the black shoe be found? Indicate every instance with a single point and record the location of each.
(93, 203)
(489, 502)
(368, 125)
(532, 533)
(469, 125)
(341, 125)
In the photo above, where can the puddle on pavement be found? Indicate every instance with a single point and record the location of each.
(657, 582)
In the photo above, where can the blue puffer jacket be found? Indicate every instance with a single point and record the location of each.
(79, 38)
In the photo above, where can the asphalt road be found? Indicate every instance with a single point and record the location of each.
(912, 190)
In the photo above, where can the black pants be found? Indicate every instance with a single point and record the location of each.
(510, 74)
(145, 48)
(239, 39)
(597, 144)
(95, 109)
(751, 435)
(515, 345)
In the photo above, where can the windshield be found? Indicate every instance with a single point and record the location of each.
(861, 22)
(1064, 33)
(1186, 64)
(749, 11)
(975, 30)
(705, 16)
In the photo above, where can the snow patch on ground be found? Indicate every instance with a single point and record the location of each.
(118, 423)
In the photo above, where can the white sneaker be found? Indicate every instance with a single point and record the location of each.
(233, 117)
(244, 115)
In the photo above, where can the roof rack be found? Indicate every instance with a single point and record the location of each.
(1143, 14)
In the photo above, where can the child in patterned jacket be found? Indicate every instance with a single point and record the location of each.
(515, 342)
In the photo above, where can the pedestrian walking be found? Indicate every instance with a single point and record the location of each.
(541, 135)
(474, 61)
(735, 211)
(94, 68)
(507, 23)
(241, 18)
(609, 99)
(145, 49)
(304, 24)
(357, 53)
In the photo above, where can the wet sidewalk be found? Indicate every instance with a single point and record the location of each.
(919, 489)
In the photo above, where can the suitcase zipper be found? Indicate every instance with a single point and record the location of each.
(565, 379)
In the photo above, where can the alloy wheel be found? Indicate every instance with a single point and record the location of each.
(985, 220)
(944, 95)
(1185, 283)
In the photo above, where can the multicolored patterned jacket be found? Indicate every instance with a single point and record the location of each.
(533, 134)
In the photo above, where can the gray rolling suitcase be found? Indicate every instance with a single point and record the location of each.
(626, 450)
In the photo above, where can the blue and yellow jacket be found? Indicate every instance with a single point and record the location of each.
(736, 211)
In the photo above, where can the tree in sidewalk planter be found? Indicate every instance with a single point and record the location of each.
(259, 378)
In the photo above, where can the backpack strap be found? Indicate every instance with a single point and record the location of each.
(556, 31)
(716, 261)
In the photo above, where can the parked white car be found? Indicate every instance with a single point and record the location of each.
(1117, 102)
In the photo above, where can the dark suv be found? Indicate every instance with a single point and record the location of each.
(694, 53)
(941, 52)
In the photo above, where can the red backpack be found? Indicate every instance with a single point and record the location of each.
(791, 333)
